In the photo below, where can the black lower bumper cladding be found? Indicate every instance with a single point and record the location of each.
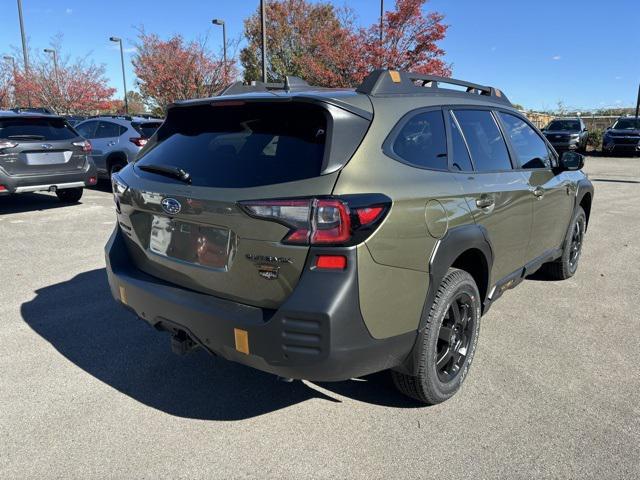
(317, 334)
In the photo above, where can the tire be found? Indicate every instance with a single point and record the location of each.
(567, 265)
(116, 166)
(435, 383)
(70, 195)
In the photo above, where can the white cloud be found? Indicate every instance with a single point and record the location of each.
(556, 57)
(69, 11)
(618, 102)
(618, 77)
(130, 50)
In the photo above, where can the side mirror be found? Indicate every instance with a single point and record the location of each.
(571, 161)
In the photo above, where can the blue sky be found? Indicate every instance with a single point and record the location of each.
(583, 52)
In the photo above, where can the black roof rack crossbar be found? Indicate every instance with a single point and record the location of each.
(392, 82)
(290, 83)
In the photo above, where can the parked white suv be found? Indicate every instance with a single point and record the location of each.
(116, 140)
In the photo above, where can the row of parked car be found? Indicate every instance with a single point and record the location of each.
(572, 134)
(40, 151)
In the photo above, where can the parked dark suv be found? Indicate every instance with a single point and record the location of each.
(326, 234)
(567, 134)
(43, 152)
(622, 137)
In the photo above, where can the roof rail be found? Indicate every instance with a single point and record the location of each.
(290, 83)
(393, 82)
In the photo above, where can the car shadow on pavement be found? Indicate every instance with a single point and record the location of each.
(81, 320)
(28, 202)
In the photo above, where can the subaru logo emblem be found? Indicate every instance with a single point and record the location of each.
(47, 146)
(171, 206)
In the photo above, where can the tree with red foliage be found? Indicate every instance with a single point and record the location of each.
(174, 69)
(322, 44)
(77, 86)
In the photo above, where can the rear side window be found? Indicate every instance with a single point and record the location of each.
(87, 129)
(488, 150)
(239, 146)
(36, 129)
(109, 129)
(422, 141)
(146, 129)
(531, 150)
(460, 160)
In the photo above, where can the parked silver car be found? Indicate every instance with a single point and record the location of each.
(116, 140)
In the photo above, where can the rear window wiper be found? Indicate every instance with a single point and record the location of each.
(168, 171)
(27, 137)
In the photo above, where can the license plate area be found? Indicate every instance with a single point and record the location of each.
(207, 246)
(47, 158)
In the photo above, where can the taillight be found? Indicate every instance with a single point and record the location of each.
(3, 188)
(322, 221)
(86, 145)
(139, 141)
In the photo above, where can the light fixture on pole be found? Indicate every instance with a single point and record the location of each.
(124, 79)
(217, 21)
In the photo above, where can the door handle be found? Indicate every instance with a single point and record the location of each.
(538, 192)
(111, 144)
(484, 202)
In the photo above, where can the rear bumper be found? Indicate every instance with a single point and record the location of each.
(317, 334)
(58, 181)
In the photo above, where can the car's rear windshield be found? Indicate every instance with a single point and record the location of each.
(36, 129)
(241, 144)
(564, 125)
(627, 124)
(146, 129)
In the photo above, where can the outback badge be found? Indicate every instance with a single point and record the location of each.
(268, 272)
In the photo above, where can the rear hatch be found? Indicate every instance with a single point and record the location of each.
(33, 145)
(180, 204)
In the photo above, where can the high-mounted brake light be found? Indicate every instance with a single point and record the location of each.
(319, 221)
(139, 141)
(85, 144)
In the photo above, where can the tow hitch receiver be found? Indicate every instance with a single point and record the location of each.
(181, 344)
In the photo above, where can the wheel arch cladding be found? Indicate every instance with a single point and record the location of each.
(585, 203)
(465, 247)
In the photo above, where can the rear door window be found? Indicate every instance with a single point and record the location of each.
(243, 145)
(460, 161)
(422, 141)
(488, 149)
(87, 129)
(109, 129)
(530, 149)
(36, 129)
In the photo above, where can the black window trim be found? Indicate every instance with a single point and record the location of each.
(387, 145)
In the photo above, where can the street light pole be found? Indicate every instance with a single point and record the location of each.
(124, 79)
(55, 64)
(13, 69)
(217, 21)
(263, 21)
(638, 104)
(381, 15)
(24, 48)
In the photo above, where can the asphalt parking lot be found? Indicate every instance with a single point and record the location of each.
(88, 391)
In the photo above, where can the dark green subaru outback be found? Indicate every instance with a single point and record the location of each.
(325, 234)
